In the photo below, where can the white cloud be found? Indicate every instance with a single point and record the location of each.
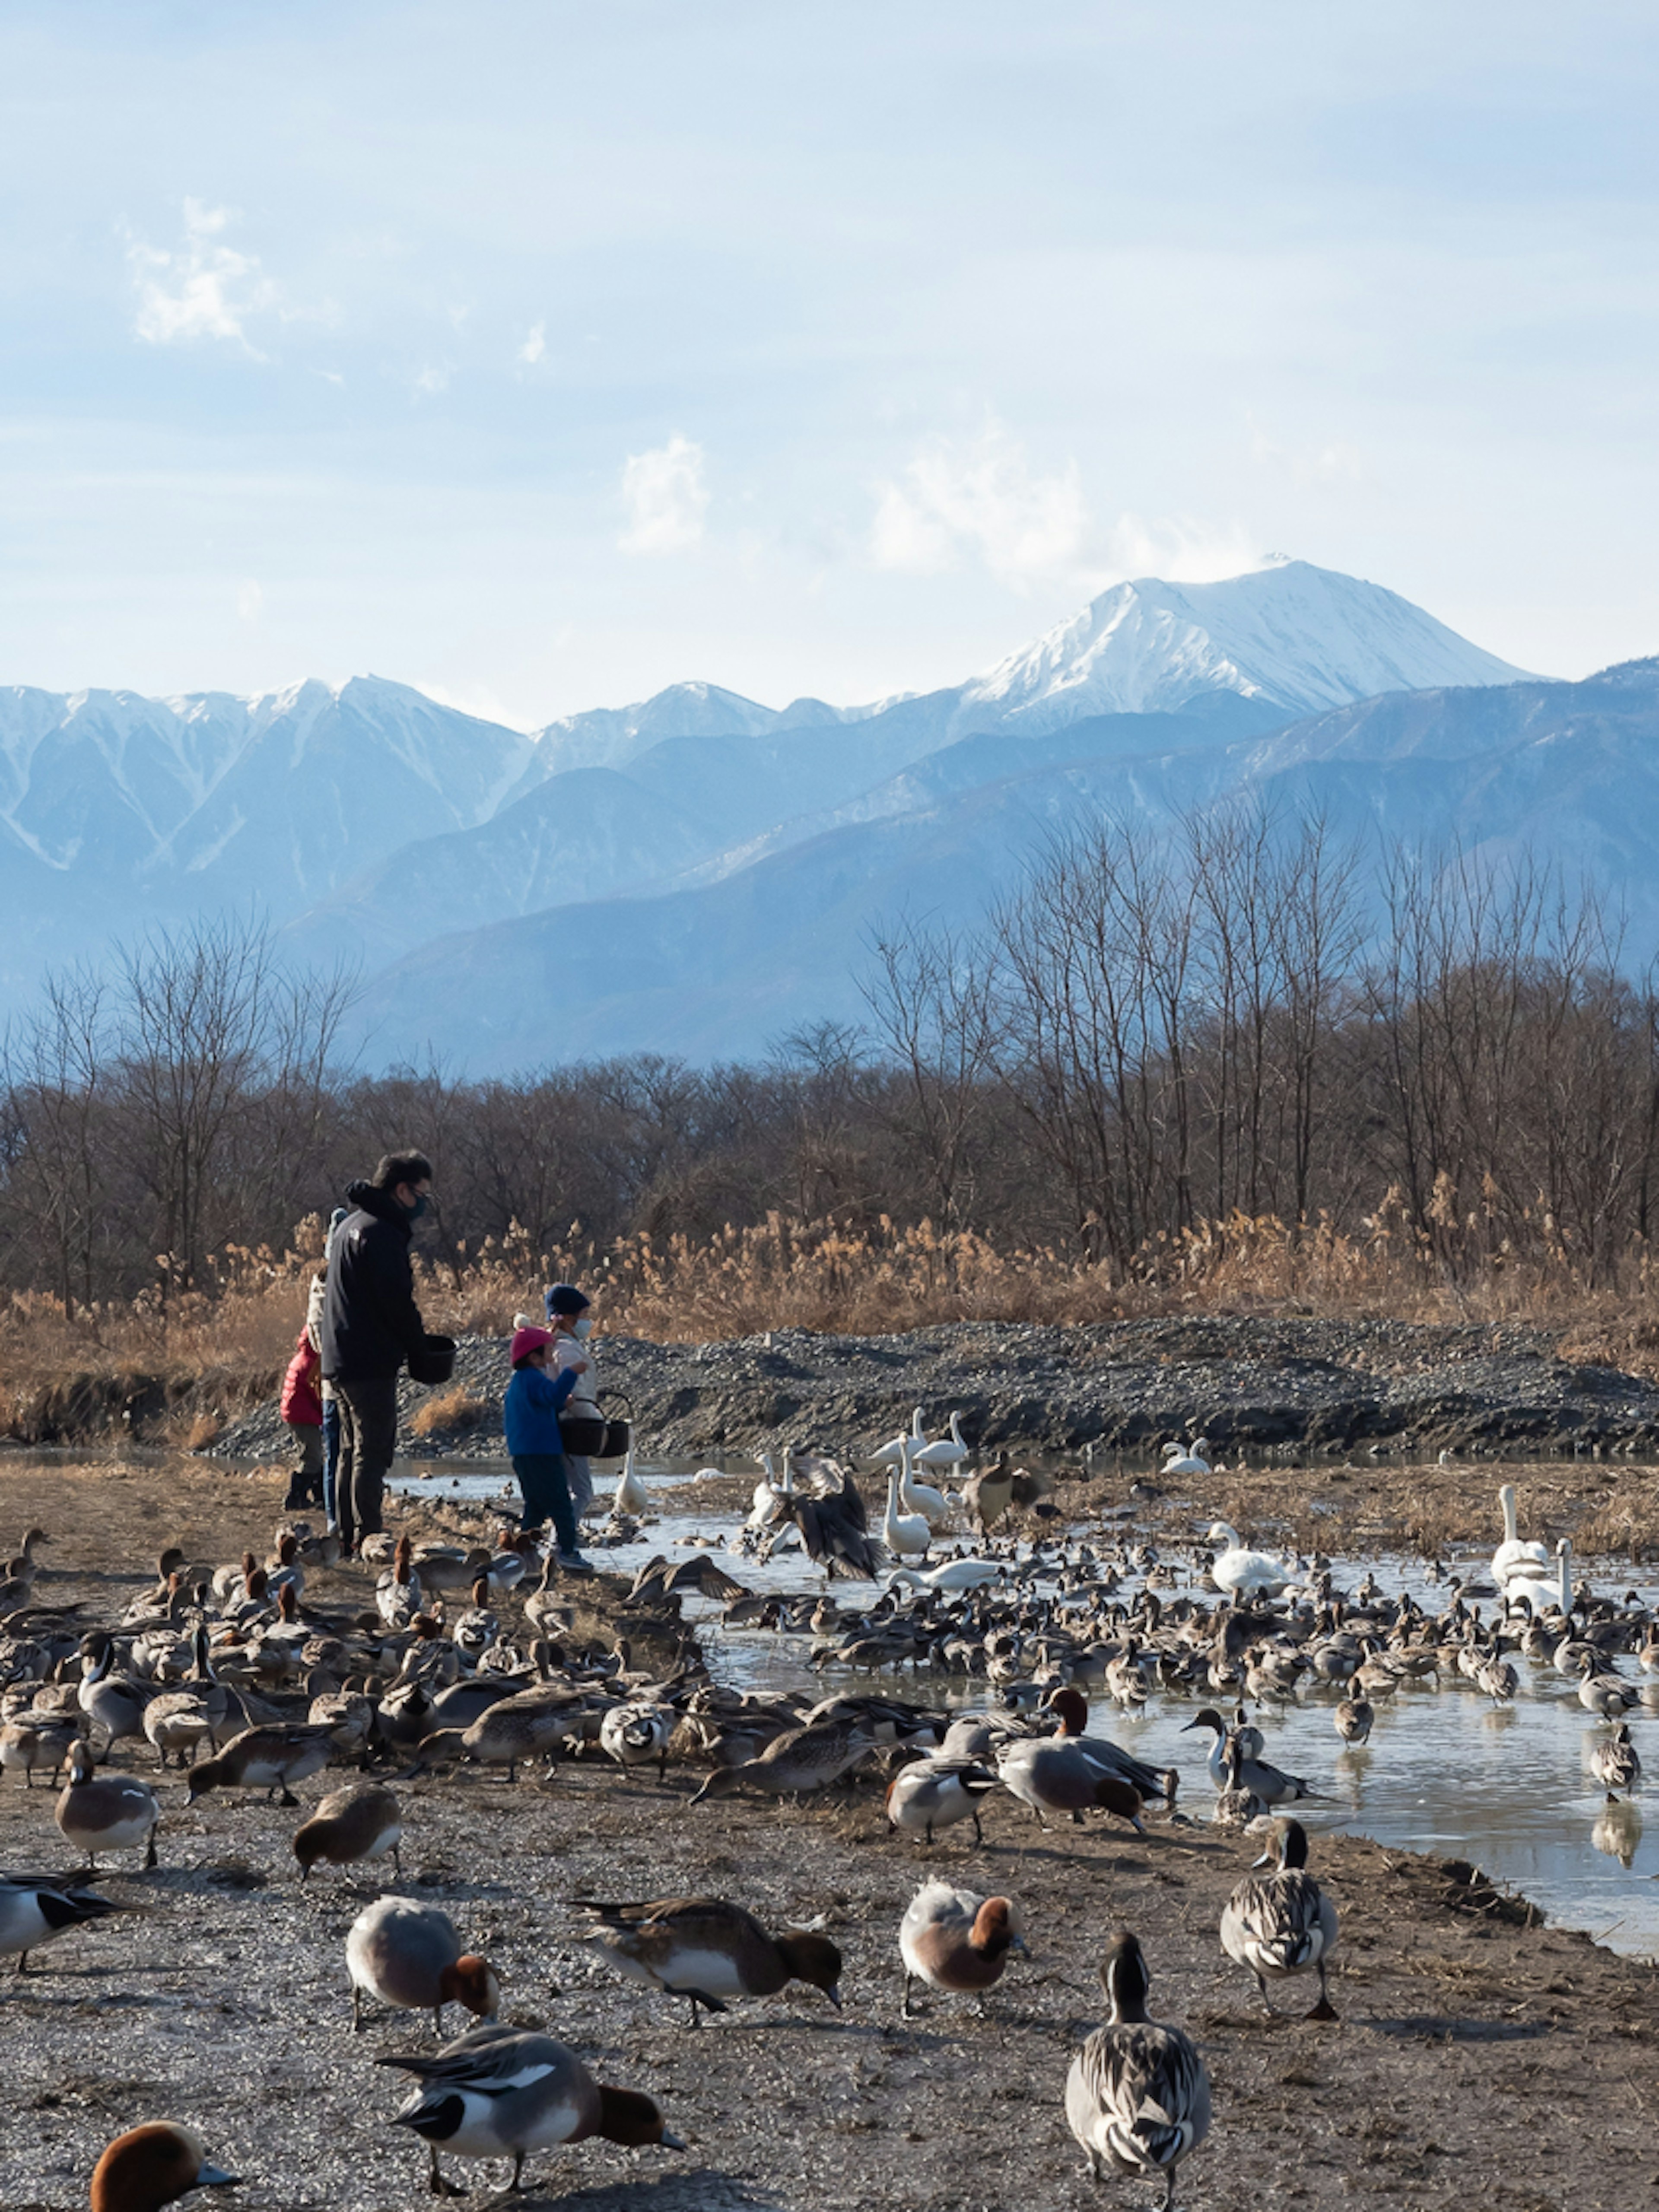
(429, 382)
(1181, 548)
(250, 600)
(534, 347)
(666, 498)
(206, 289)
(1334, 462)
(981, 499)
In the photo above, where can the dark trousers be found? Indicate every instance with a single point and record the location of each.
(368, 1438)
(546, 1495)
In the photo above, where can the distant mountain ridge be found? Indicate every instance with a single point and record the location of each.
(375, 824)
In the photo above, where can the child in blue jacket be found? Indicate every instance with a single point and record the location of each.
(530, 1414)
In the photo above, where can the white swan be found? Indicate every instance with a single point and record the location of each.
(1513, 1557)
(952, 1575)
(920, 1497)
(893, 1450)
(1239, 1572)
(1544, 1591)
(631, 1495)
(772, 1497)
(903, 1533)
(948, 1452)
(1178, 1459)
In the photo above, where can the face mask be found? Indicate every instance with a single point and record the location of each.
(417, 1212)
(582, 1329)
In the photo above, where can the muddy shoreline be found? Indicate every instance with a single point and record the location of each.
(1471, 2038)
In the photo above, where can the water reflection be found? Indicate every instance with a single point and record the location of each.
(1445, 1771)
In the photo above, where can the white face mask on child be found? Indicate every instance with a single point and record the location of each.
(582, 1327)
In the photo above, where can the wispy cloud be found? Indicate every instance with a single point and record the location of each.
(981, 499)
(535, 346)
(250, 600)
(1181, 548)
(428, 382)
(1332, 461)
(666, 496)
(203, 290)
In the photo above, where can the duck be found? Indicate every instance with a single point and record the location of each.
(409, 1956)
(349, 1826)
(1614, 1762)
(1280, 1923)
(154, 2164)
(505, 2091)
(1513, 1559)
(271, 1759)
(37, 1739)
(507, 1732)
(36, 1908)
(1603, 1694)
(956, 1941)
(1354, 1720)
(106, 1811)
(1137, 2093)
(706, 1950)
(1271, 1783)
(630, 1495)
(1236, 1569)
(179, 1719)
(636, 1733)
(987, 1495)
(903, 1534)
(936, 1792)
(114, 1706)
(795, 1762)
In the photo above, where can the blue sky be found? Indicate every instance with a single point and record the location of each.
(542, 355)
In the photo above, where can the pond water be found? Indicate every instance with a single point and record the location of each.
(1445, 1771)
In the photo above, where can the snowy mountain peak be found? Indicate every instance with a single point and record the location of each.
(1291, 635)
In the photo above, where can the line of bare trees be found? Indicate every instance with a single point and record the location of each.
(1245, 1017)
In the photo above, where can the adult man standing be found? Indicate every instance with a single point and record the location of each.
(371, 1325)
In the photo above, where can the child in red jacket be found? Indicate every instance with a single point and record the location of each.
(302, 1411)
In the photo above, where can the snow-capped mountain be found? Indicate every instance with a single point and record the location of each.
(373, 822)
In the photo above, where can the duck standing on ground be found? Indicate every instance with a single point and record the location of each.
(36, 1908)
(410, 1957)
(503, 2092)
(935, 1793)
(956, 1941)
(106, 1811)
(349, 1827)
(706, 1950)
(1280, 1923)
(1138, 2095)
(152, 2166)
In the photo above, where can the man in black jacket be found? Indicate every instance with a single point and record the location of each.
(371, 1324)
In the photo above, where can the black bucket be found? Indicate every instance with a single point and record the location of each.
(434, 1362)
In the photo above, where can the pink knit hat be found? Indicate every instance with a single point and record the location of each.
(526, 1340)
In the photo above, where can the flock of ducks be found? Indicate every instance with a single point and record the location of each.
(430, 1671)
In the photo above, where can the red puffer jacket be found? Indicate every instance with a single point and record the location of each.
(300, 1402)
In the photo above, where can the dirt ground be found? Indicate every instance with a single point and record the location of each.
(1476, 2053)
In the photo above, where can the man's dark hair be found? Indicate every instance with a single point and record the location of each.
(402, 1167)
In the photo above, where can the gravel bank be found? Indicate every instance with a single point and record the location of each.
(1248, 1384)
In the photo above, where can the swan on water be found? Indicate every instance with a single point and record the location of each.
(920, 1497)
(1235, 1569)
(1184, 1459)
(631, 1495)
(1531, 1562)
(947, 1451)
(903, 1533)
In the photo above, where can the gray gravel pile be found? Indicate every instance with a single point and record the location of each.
(1246, 1384)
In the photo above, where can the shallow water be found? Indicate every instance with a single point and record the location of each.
(1445, 1771)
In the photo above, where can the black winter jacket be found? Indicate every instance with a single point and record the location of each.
(371, 1322)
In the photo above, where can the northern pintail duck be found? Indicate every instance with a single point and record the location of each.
(1280, 1923)
(956, 1941)
(705, 1950)
(106, 1811)
(409, 1956)
(799, 1760)
(35, 1908)
(503, 2092)
(1138, 2094)
(937, 1792)
(349, 1827)
(152, 2166)
(1615, 1763)
(637, 1734)
(271, 1759)
(1264, 1780)
(1354, 1720)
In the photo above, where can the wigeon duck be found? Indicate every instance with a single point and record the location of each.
(1138, 2095)
(705, 1949)
(180, 1720)
(349, 1826)
(410, 1957)
(937, 1792)
(446, 1567)
(1280, 1923)
(152, 2166)
(37, 1739)
(953, 1940)
(503, 2092)
(106, 1811)
(271, 1758)
(35, 1908)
